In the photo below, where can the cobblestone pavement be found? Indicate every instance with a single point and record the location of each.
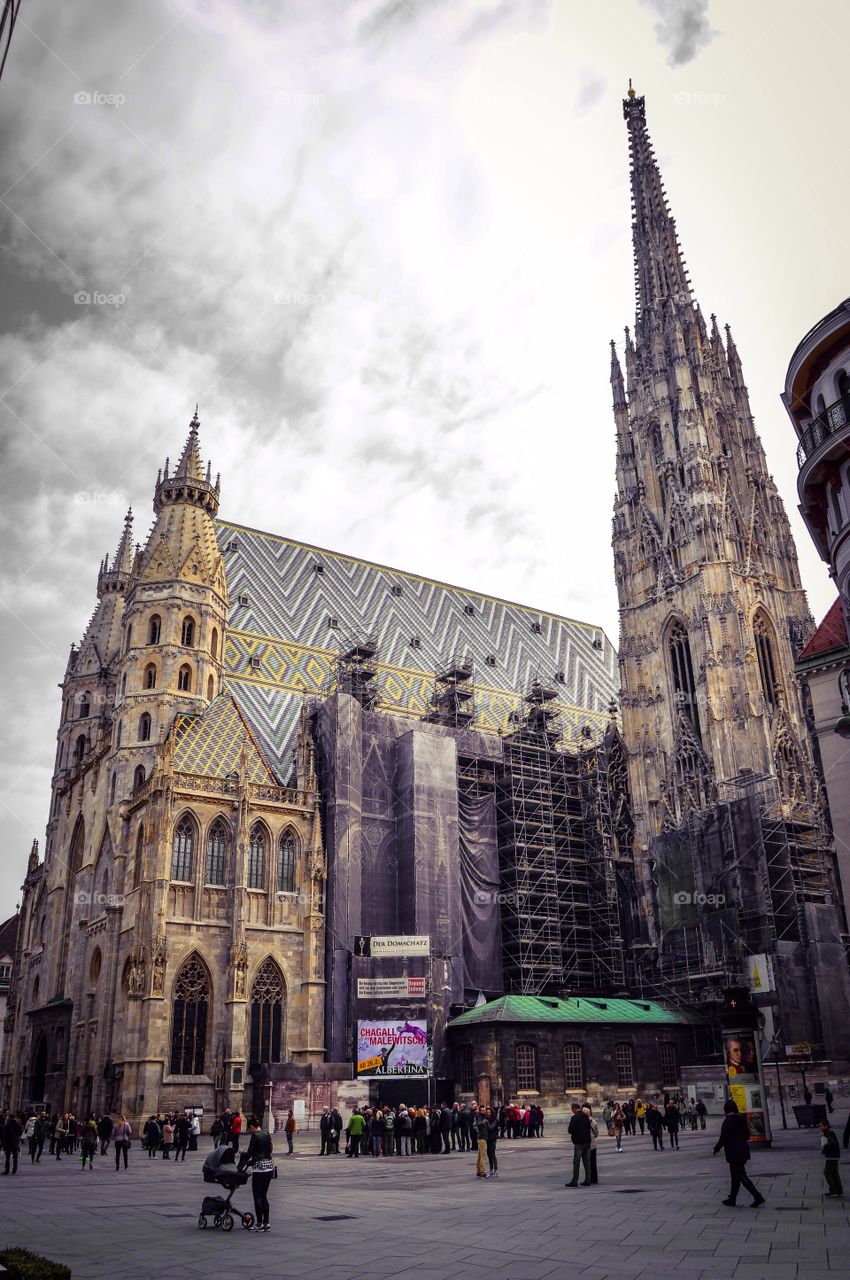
(428, 1218)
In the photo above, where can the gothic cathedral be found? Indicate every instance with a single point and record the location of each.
(733, 857)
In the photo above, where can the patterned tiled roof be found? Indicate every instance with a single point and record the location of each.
(575, 1009)
(293, 605)
(830, 635)
(211, 744)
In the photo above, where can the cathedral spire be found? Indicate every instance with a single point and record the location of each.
(115, 576)
(188, 482)
(660, 272)
(618, 389)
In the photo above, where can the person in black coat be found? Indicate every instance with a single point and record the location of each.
(104, 1132)
(445, 1127)
(655, 1125)
(733, 1141)
(182, 1127)
(672, 1119)
(580, 1135)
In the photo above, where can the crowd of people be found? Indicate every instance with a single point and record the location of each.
(63, 1135)
(408, 1131)
(164, 1133)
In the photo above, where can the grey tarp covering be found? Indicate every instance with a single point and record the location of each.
(407, 854)
(479, 889)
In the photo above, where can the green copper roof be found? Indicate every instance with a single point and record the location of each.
(575, 1009)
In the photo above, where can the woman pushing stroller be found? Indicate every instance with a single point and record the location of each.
(258, 1161)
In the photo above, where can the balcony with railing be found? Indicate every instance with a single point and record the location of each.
(833, 420)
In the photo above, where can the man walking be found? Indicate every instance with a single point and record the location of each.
(702, 1112)
(580, 1133)
(733, 1141)
(104, 1132)
(672, 1119)
(831, 1152)
(12, 1130)
(655, 1125)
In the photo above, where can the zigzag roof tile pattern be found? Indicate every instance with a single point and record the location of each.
(294, 607)
(212, 744)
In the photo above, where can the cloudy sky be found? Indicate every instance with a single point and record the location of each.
(384, 244)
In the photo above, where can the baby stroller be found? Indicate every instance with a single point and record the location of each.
(219, 1208)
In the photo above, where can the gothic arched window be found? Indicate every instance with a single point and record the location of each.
(138, 776)
(210, 689)
(214, 642)
(184, 678)
(144, 727)
(682, 670)
(216, 853)
(182, 849)
(150, 676)
(189, 1018)
(287, 854)
(187, 632)
(85, 706)
(154, 628)
(656, 444)
(257, 857)
(266, 1014)
(80, 748)
(78, 845)
(763, 632)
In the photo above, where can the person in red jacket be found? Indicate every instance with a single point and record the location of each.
(235, 1130)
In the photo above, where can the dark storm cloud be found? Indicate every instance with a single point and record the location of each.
(682, 27)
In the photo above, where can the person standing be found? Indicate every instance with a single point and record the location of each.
(733, 1141)
(104, 1132)
(121, 1135)
(182, 1129)
(830, 1099)
(40, 1132)
(580, 1135)
(672, 1119)
(640, 1113)
(831, 1152)
(629, 1113)
(335, 1130)
(167, 1138)
(194, 1132)
(492, 1136)
(356, 1126)
(12, 1130)
(445, 1127)
(324, 1131)
(702, 1112)
(618, 1124)
(152, 1135)
(655, 1125)
(482, 1134)
(594, 1139)
(259, 1158)
(290, 1132)
(88, 1143)
(61, 1133)
(235, 1130)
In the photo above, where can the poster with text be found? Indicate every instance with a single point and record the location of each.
(398, 1048)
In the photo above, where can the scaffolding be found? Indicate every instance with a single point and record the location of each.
(355, 672)
(559, 919)
(453, 697)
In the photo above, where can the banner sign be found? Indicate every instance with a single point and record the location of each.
(392, 1048)
(390, 988)
(760, 973)
(400, 945)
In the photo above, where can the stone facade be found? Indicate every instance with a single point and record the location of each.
(174, 933)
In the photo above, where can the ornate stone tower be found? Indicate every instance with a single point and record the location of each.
(712, 616)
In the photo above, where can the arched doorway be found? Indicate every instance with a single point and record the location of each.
(38, 1078)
